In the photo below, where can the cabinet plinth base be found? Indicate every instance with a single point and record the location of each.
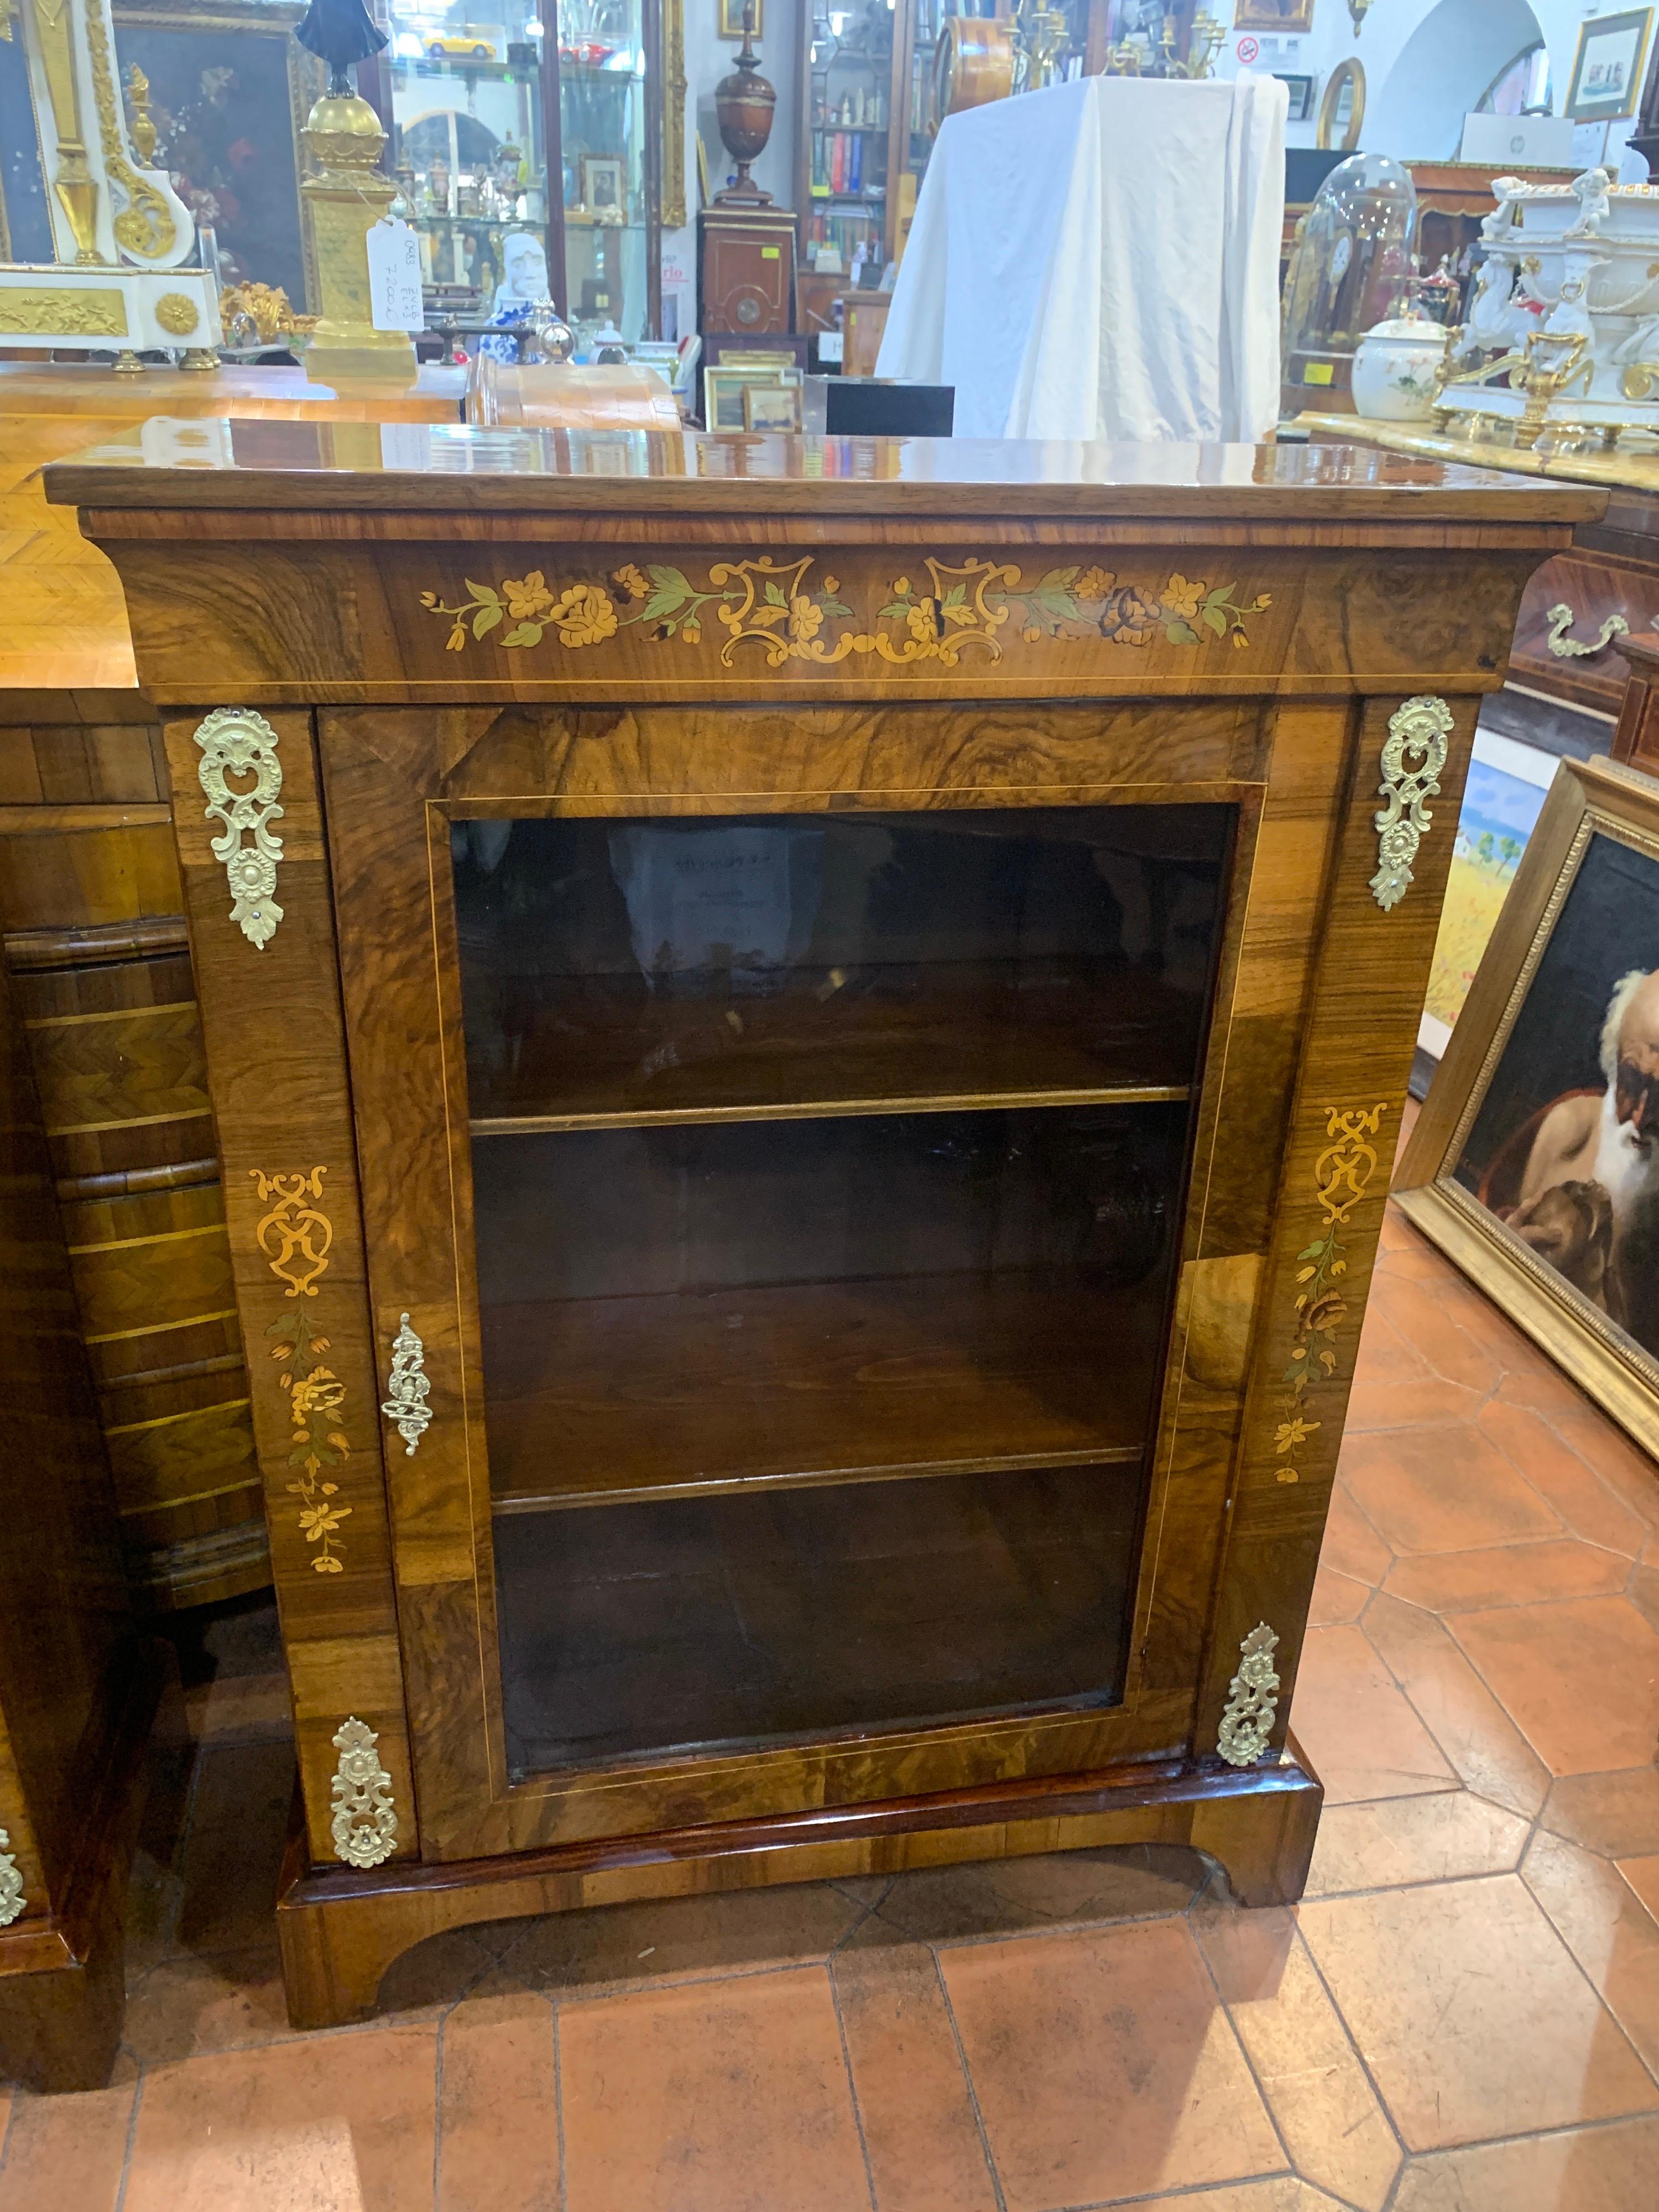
(340, 1930)
(63, 1998)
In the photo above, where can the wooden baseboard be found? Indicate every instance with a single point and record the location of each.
(340, 1929)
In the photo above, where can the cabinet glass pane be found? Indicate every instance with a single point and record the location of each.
(799, 1612)
(602, 134)
(827, 1186)
(713, 1303)
(642, 968)
(470, 151)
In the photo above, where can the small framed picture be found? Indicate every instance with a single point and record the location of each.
(724, 386)
(605, 186)
(1535, 1163)
(730, 18)
(1301, 89)
(1609, 66)
(1291, 16)
(771, 407)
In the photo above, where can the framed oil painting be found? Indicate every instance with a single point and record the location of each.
(230, 88)
(1502, 798)
(1291, 16)
(1535, 1163)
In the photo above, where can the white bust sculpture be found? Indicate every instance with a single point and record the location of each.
(524, 267)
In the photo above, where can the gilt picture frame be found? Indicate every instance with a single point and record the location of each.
(729, 19)
(1610, 66)
(1535, 1163)
(1293, 17)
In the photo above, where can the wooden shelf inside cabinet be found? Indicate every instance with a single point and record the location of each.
(978, 1035)
(784, 1617)
(597, 1400)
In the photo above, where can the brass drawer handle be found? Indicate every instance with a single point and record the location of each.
(1561, 619)
(407, 1406)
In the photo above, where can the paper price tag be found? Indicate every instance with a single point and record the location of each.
(394, 277)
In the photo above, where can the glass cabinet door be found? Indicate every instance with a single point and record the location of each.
(602, 131)
(471, 152)
(847, 124)
(827, 1177)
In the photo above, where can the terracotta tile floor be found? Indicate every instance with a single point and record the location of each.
(1462, 2016)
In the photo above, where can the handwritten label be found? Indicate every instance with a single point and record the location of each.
(394, 277)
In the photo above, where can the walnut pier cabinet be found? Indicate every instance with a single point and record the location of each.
(807, 1040)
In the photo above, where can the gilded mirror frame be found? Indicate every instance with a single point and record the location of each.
(1349, 72)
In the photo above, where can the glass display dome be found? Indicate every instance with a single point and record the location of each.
(1349, 270)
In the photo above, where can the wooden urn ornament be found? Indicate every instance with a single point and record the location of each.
(744, 104)
(745, 243)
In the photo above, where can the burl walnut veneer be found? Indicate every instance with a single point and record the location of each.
(805, 1078)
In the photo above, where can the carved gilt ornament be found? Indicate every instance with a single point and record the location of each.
(12, 1900)
(365, 1825)
(236, 741)
(94, 312)
(1413, 754)
(1252, 1700)
(176, 313)
(409, 1388)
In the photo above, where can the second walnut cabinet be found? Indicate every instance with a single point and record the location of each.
(820, 1030)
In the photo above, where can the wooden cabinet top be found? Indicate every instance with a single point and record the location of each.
(425, 469)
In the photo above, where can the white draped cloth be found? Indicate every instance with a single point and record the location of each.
(1101, 260)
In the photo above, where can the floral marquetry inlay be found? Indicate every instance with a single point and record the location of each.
(788, 614)
(296, 1237)
(1342, 1174)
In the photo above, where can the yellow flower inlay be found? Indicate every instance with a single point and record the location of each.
(806, 618)
(1182, 598)
(528, 599)
(585, 616)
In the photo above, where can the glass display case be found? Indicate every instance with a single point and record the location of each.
(526, 162)
(610, 228)
(1351, 270)
(869, 108)
(846, 129)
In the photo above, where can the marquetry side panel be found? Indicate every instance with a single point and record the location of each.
(62, 1606)
(1366, 998)
(1249, 1084)
(277, 1063)
(95, 938)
